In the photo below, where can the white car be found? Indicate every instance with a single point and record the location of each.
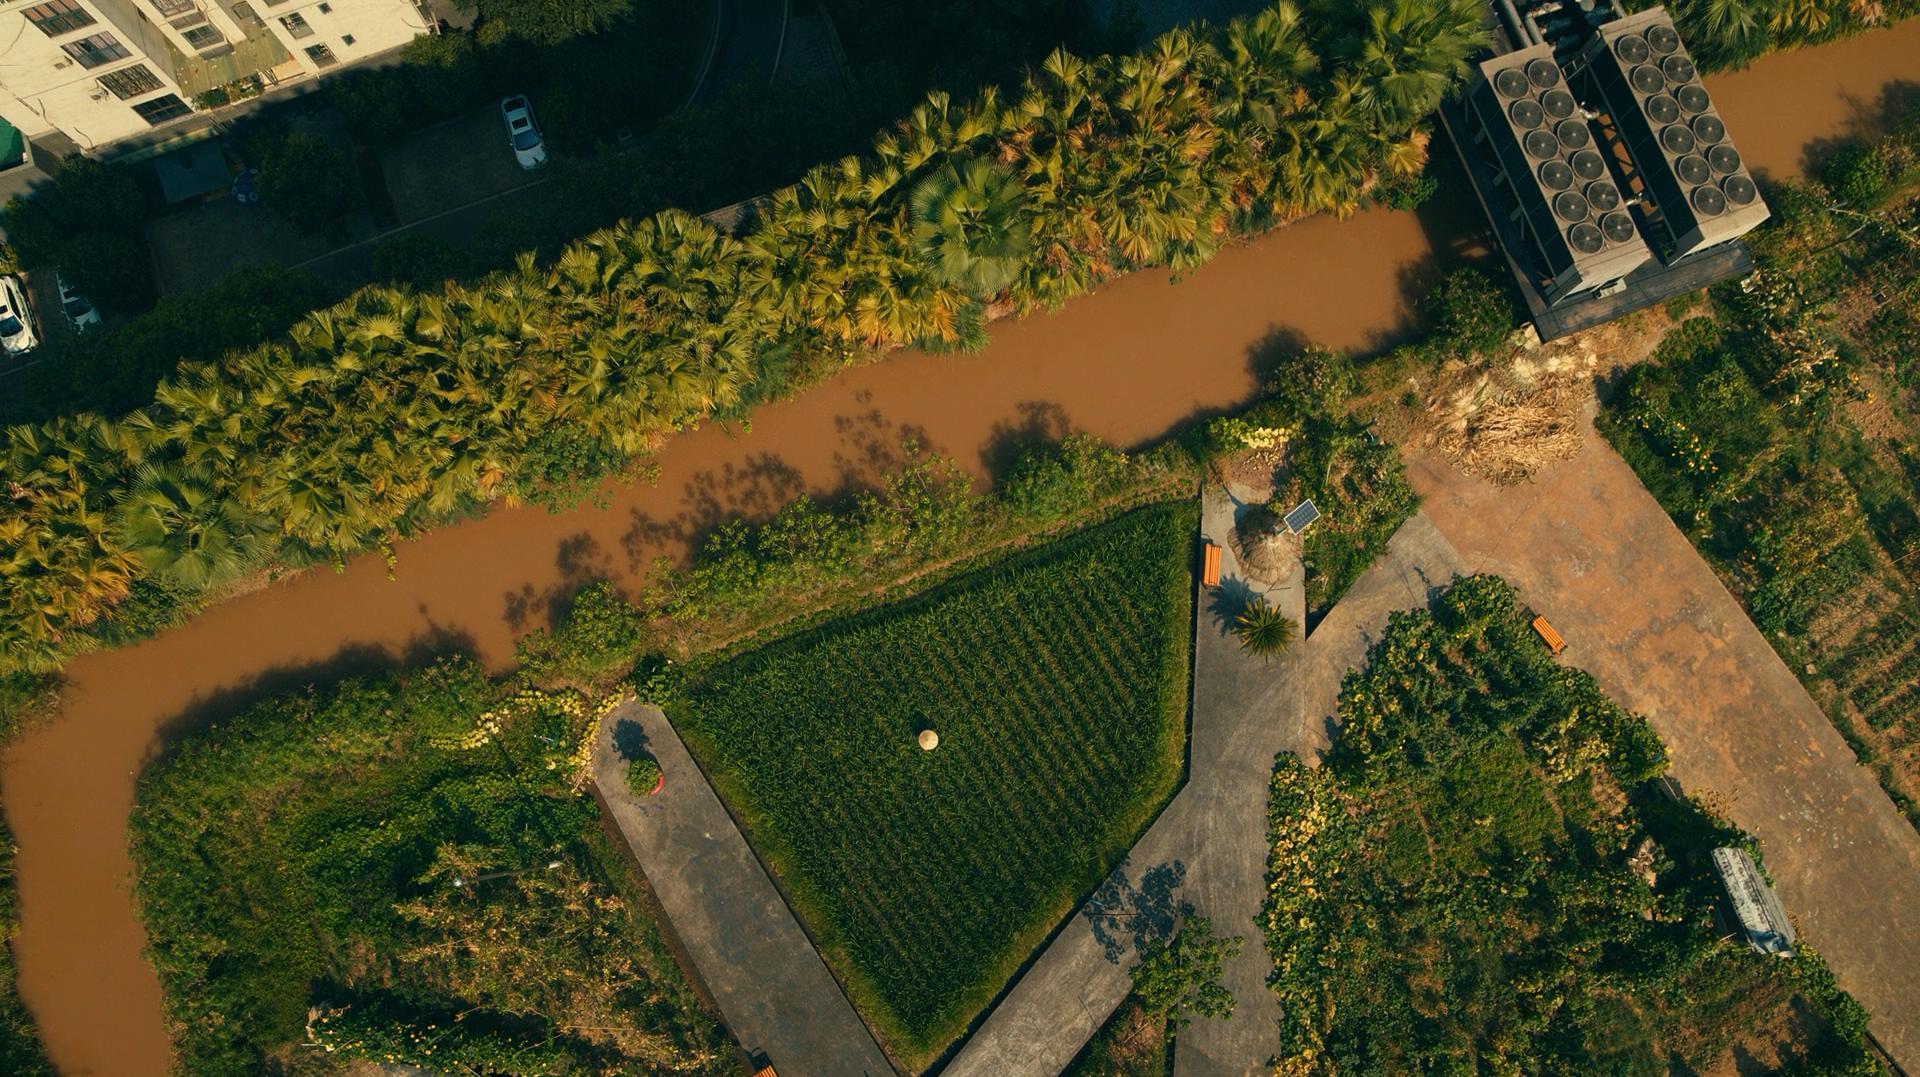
(80, 313)
(523, 134)
(16, 318)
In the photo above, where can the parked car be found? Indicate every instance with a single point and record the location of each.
(16, 318)
(523, 133)
(78, 309)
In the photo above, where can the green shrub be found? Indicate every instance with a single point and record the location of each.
(600, 635)
(1857, 174)
(643, 776)
(1470, 313)
(89, 220)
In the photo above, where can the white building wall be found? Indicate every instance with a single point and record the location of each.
(350, 30)
(43, 89)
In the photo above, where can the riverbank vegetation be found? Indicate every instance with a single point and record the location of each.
(1485, 875)
(395, 410)
(20, 1051)
(404, 869)
(1781, 431)
(1733, 33)
(1057, 682)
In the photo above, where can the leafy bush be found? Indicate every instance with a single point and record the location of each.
(306, 180)
(599, 635)
(89, 220)
(20, 1051)
(1469, 313)
(1263, 630)
(643, 776)
(1057, 681)
(1857, 174)
(1180, 977)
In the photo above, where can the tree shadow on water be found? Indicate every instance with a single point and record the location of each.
(1123, 915)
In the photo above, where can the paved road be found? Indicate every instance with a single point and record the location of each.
(1588, 546)
(751, 35)
(772, 988)
(1208, 848)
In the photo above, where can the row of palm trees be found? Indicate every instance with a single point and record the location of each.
(395, 409)
(1728, 33)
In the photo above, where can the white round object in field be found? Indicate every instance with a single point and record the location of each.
(929, 740)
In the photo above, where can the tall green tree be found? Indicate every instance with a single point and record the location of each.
(1180, 977)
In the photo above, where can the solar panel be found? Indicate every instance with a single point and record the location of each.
(1302, 515)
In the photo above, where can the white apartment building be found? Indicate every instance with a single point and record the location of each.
(97, 71)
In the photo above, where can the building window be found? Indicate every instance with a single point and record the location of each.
(245, 13)
(96, 50)
(346, 39)
(56, 17)
(203, 37)
(297, 25)
(170, 8)
(130, 81)
(320, 54)
(325, 9)
(161, 109)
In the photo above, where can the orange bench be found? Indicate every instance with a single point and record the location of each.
(1549, 635)
(765, 1071)
(1210, 566)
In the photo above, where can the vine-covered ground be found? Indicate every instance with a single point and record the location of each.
(1486, 875)
(403, 870)
(1057, 683)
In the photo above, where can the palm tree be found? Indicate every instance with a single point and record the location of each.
(1408, 54)
(971, 225)
(184, 531)
(1263, 630)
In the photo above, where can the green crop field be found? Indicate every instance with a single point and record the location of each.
(1057, 681)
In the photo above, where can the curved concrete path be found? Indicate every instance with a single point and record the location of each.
(1208, 849)
(773, 990)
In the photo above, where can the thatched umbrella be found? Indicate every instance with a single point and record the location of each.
(929, 740)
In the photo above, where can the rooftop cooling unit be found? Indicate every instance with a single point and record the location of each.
(1677, 139)
(1534, 132)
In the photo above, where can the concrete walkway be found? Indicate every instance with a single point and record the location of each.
(774, 992)
(1208, 848)
(1590, 548)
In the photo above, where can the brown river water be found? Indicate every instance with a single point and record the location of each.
(1127, 363)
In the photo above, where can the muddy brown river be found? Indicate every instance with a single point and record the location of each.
(1127, 364)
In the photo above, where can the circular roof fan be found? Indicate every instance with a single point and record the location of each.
(1586, 238)
(1693, 99)
(1724, 159)
(1676, 139)
(1662, 39)
(1617, 226)
(1555, 176)
(1540, 144)
(1647, 79)
(1709, 129)
(1570, 207)
(1543, 73)
(1708, 201)
(1662, 109)
(1588, 165)
(1511, 82)
(1603, 196)
(1525, 114)
(1740, 190)
(1678, 69)
(1573, 134)
(1558, 103)
(1631, 48)
(1692, 169)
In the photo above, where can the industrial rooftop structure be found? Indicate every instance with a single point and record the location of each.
(1607, 175)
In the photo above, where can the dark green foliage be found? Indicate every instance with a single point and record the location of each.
(1733, 33)
(643, 776)
(1133, 1043)
(439, 75)
(1469, 313)
(900, 51)
(598, 637)
(1857, 174)
(89, 220)
(417, 259)
(307, 180)
(1263, 630)
(1056, 680)
(111, 370)
(306, 853)
(971, 225)
(1179, 978)
(1454, 890)
(20, 1053)
(547, 22)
